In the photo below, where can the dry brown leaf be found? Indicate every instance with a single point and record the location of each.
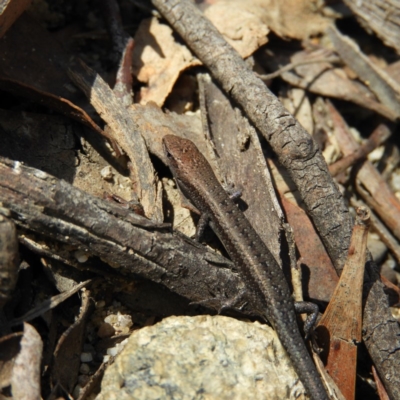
(339, 330)
(240, 23)
(319, 274)
(158, 59)
(66, 361)
(298, 19)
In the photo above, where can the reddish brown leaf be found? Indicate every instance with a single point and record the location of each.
(314, 259)
(381, 389)
(339, 330)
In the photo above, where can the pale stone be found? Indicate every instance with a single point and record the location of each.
(202, 357)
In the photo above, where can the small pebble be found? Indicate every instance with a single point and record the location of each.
(112, 351)
(86, 357)
(77, 391)
(81, 256)
(387, 270)
(84, 369)
(106, 358)
(106, 173)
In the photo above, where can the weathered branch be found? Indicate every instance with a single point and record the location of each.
(134, 244)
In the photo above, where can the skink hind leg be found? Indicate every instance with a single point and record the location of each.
(232, 304)
(306, 307)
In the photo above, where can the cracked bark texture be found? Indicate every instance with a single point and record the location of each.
(297, 152)
(128, 242)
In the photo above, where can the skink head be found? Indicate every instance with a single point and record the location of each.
(184, 158)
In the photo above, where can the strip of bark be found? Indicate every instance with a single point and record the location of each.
(241, 162)
(9, 259)
(377, 137)
(125, 132)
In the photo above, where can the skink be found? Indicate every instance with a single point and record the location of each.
(259, 269)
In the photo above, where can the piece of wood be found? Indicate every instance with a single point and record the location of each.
(382, 16)
(385, 88)
(374, 190)
(125, 132)
(132, 244)
(9, 259)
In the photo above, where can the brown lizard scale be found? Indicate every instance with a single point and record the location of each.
(259, 269)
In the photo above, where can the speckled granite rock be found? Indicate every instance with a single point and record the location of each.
(202, 357)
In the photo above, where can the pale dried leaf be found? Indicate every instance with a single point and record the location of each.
(158, 59)
(298, 19)
(25, 380)
(9, 349)
(240, 23)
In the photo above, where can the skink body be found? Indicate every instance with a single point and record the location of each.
(259, 269)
